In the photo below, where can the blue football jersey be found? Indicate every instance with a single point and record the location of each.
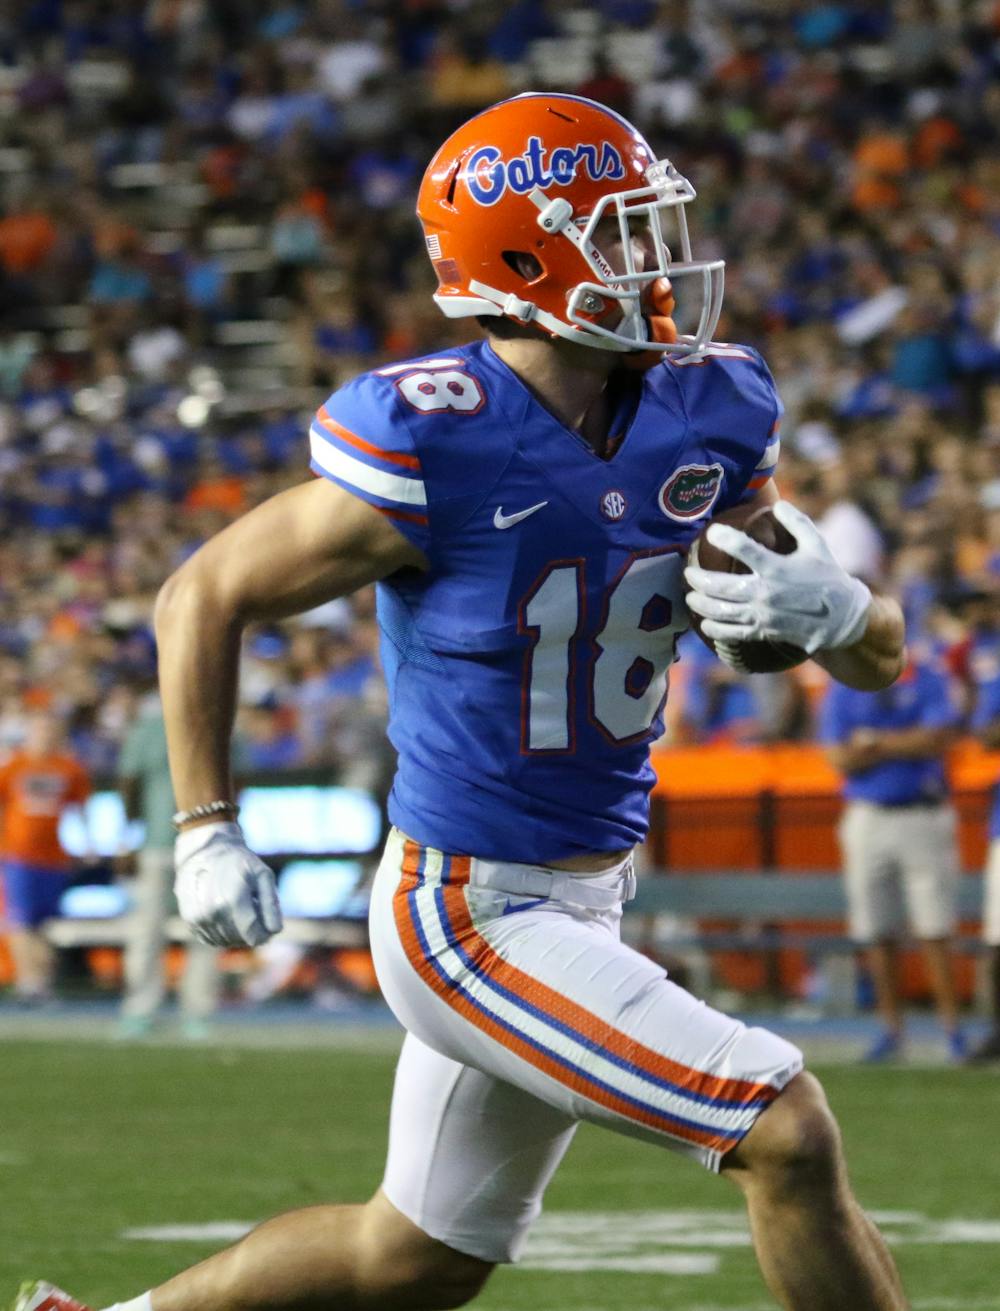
(527, 667)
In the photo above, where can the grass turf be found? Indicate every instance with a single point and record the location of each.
(95, 1139)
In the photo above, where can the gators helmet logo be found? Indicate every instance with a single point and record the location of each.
(488, 174)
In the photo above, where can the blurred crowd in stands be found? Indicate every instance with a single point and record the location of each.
(206, 224)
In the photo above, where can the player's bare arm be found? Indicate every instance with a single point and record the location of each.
(305, 546)
(877, 659)
(989, 736)
(297, 550)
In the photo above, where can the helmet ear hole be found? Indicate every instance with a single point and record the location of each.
(524, 264)
(452, 184)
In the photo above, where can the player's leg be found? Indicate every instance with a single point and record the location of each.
(545, 997)
(469, 1158)
(470, 1155)
(816, 1247)
(351, 1258)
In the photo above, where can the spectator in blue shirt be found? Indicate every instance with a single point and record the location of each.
(897, 835)
(268, 743)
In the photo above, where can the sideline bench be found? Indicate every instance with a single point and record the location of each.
(766, 900)
(769, 901)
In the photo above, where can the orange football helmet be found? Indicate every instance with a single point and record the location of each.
(534, 176)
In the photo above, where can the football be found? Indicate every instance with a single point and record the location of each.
(751, 657)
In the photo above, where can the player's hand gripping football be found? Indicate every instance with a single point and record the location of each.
(224, 891)
(804, 598)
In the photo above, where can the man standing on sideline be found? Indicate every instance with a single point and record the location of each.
(37, 786)
(144, 783)
(897, 835)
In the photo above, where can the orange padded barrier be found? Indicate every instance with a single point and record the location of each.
(754, 807)
(724, 807)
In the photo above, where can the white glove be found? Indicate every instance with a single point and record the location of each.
(224, 891)
(805, 598)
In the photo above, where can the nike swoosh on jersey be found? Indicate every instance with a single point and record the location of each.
(501, 520)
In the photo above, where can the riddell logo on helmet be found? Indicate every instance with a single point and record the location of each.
(488, 176)
(691, 491)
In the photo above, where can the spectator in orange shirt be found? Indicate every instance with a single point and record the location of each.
(37, 786)
(26, 240)
(881, 161)
(216, 489)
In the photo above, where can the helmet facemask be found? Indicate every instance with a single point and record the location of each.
(636, 212)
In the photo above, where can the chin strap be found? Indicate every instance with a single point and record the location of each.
(660, 326)
(516, 308)
(492, 301)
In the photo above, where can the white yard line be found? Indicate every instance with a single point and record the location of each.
(681, 1243)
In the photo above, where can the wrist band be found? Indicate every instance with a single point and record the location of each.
(204, 811)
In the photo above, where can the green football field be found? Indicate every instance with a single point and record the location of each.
(115, 1161)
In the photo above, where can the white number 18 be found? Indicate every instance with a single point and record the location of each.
(626, 663)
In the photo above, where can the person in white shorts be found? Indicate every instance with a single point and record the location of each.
(527, 502)
(898, 837)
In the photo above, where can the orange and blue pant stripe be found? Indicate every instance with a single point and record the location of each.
(526, 1016)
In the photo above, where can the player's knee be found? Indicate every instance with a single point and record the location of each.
(434, 1280)
(401, 1267)
(795, 1144)
(456, 1282)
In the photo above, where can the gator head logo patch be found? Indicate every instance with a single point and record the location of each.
(691, 491)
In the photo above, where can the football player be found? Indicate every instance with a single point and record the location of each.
(525, 503)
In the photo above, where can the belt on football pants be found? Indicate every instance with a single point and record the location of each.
(591, 891)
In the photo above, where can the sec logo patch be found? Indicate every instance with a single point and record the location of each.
(691, 491)
(613, 505)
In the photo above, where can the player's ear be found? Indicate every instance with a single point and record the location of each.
(524, 264)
